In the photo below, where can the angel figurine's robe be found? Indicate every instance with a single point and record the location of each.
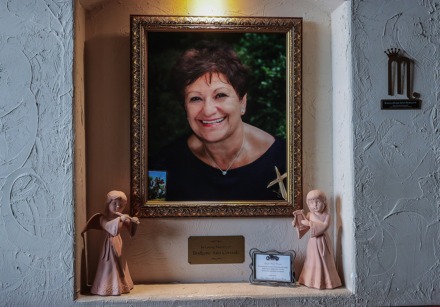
(319, 270)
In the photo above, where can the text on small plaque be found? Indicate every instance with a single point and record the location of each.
(215, 249)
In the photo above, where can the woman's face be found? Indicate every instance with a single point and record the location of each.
(213, 108)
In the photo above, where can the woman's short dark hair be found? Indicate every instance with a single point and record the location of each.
(210, 59)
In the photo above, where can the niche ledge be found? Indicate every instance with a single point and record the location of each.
(211, 294)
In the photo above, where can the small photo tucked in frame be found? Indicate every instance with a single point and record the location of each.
(157, 185)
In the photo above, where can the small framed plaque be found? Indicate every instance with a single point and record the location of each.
(272, 268)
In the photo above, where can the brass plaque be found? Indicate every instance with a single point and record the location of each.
(215, 249)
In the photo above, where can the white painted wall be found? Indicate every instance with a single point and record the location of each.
(343, 142)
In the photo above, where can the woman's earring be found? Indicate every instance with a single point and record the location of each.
(242, 111)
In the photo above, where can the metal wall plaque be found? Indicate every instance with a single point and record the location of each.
(215, 249)
(397, 63)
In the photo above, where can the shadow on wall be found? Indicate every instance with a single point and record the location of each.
(338, 243)
(148, 253)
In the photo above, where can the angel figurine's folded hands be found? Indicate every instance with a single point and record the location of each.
(126, 217)
(305, 222)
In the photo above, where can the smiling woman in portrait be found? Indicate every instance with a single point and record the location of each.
(223, 158)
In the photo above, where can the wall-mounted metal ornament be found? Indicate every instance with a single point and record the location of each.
(397, 72)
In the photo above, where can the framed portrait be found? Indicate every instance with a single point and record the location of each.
(216, 112)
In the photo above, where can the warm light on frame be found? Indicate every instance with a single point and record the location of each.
(210, 7)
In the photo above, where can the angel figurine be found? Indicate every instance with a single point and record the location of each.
(112, 276)
(319, 269)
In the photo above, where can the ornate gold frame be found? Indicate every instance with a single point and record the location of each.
(140, 26)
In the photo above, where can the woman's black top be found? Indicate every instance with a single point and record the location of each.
(190, 179)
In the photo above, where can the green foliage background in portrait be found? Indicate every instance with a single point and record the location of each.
(263, 53)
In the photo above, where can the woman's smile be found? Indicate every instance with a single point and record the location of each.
(213, 122)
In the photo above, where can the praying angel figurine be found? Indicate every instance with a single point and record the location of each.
(112, 275)
(319, 269)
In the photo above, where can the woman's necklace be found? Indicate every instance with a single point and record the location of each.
(224, 172)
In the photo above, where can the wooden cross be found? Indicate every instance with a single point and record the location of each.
(280, 182)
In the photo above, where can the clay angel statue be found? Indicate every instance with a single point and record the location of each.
(319, 269)
(112, 275)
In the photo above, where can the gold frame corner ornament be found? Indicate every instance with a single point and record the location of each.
(139, 27)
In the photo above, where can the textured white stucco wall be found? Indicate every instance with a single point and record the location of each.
(396, 155)
(36, 153)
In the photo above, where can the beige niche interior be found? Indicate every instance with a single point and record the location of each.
(158, 252)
